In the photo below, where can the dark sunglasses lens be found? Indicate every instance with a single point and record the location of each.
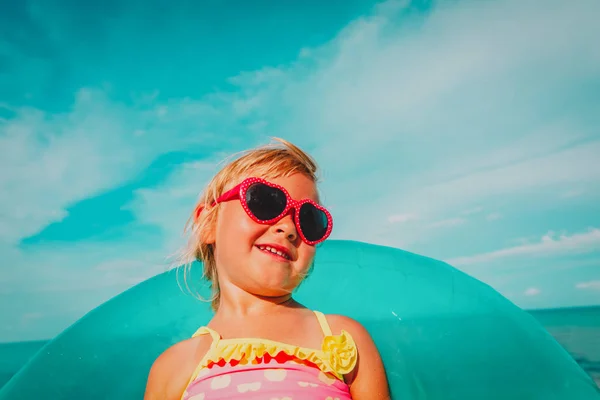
(313, 222)
(265, 202)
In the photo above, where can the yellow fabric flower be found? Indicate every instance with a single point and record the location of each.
(342, 352)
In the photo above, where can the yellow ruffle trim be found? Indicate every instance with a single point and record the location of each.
(338, 354)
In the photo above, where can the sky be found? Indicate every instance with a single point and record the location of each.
(463, 130)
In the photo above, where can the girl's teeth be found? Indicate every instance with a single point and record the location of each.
(272, 250)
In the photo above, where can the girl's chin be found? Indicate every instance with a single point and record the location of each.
(273, 289)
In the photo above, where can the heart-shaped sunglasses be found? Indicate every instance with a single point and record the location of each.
(267, 203)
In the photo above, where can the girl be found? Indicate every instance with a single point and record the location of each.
(255, 230)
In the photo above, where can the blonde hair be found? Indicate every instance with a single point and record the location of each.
(277, 159)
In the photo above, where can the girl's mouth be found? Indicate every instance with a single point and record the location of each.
(274, 251)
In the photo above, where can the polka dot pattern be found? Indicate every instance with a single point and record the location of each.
(220, 382)
(266, 380)
(275, 375)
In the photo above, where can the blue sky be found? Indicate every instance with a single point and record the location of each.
(463, 130)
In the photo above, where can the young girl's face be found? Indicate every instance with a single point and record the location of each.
(240, 242)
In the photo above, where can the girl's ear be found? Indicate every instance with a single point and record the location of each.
(208, 232)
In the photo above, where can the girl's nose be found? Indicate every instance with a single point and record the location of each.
(287, 227)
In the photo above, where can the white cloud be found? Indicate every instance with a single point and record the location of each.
(433, 118)
(51, 161)
(592, 285)
(493, 216)
(549, 245)
(170, 204)
(67, 266)
(30, 316)
(532, 291)
(399, 218)
(447, 222)
(60, 282)
(471, 211)
(448, 111)
(573, 193)
(102, 270)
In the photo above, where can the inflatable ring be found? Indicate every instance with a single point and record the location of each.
(442, 334)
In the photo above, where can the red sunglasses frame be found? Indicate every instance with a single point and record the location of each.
(239, 193)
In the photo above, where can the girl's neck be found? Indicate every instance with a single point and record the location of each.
(248, 305)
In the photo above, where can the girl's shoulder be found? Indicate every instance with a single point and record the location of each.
(370, 375)
(339, 322)
(170, 372)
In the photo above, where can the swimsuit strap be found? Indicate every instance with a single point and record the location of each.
(215, 340)
(323, 322)
(204, 330)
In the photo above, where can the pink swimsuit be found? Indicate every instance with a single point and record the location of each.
(260, 369)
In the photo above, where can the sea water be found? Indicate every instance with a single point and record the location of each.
(15, 355)
(576, 329)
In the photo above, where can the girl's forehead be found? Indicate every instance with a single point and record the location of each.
(298, 185)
